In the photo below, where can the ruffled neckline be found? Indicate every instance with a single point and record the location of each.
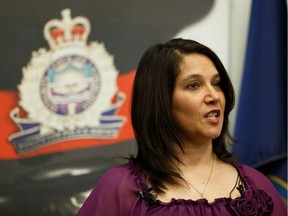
(141, 183)
(253, 201)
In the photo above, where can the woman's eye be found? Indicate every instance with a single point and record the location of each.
(217, 84)
(193, 86)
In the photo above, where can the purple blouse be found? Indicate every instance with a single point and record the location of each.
(118, 193)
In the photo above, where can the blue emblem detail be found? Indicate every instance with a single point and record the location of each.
(70, 85)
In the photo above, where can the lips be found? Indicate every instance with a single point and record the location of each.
(213, 114)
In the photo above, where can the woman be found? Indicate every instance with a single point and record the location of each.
(182, 97)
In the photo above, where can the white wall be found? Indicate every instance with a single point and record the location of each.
(239, 25)
(213, 30)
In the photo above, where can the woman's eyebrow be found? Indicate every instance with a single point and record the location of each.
(195, 76)
(191, 76)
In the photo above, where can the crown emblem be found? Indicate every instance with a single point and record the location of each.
(67, 32)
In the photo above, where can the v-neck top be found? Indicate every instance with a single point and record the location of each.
(122, 191)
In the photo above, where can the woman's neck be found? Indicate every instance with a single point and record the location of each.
(194, 155)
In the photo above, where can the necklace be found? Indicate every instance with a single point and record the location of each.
(201, 194)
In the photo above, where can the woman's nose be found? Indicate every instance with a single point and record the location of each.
(212, 95)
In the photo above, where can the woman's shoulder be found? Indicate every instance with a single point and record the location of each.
(117, 187)
(251, 173)
(254, 179)
(117, 171)
(126, 174)
(252, 176)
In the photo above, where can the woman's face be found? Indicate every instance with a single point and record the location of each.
(198, 102)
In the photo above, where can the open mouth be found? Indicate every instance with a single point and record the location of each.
(213, 114)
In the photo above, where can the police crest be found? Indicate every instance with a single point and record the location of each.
(67, 91)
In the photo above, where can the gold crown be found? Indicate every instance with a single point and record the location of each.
(67, 32)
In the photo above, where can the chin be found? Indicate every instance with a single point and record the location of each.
(214, 135)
